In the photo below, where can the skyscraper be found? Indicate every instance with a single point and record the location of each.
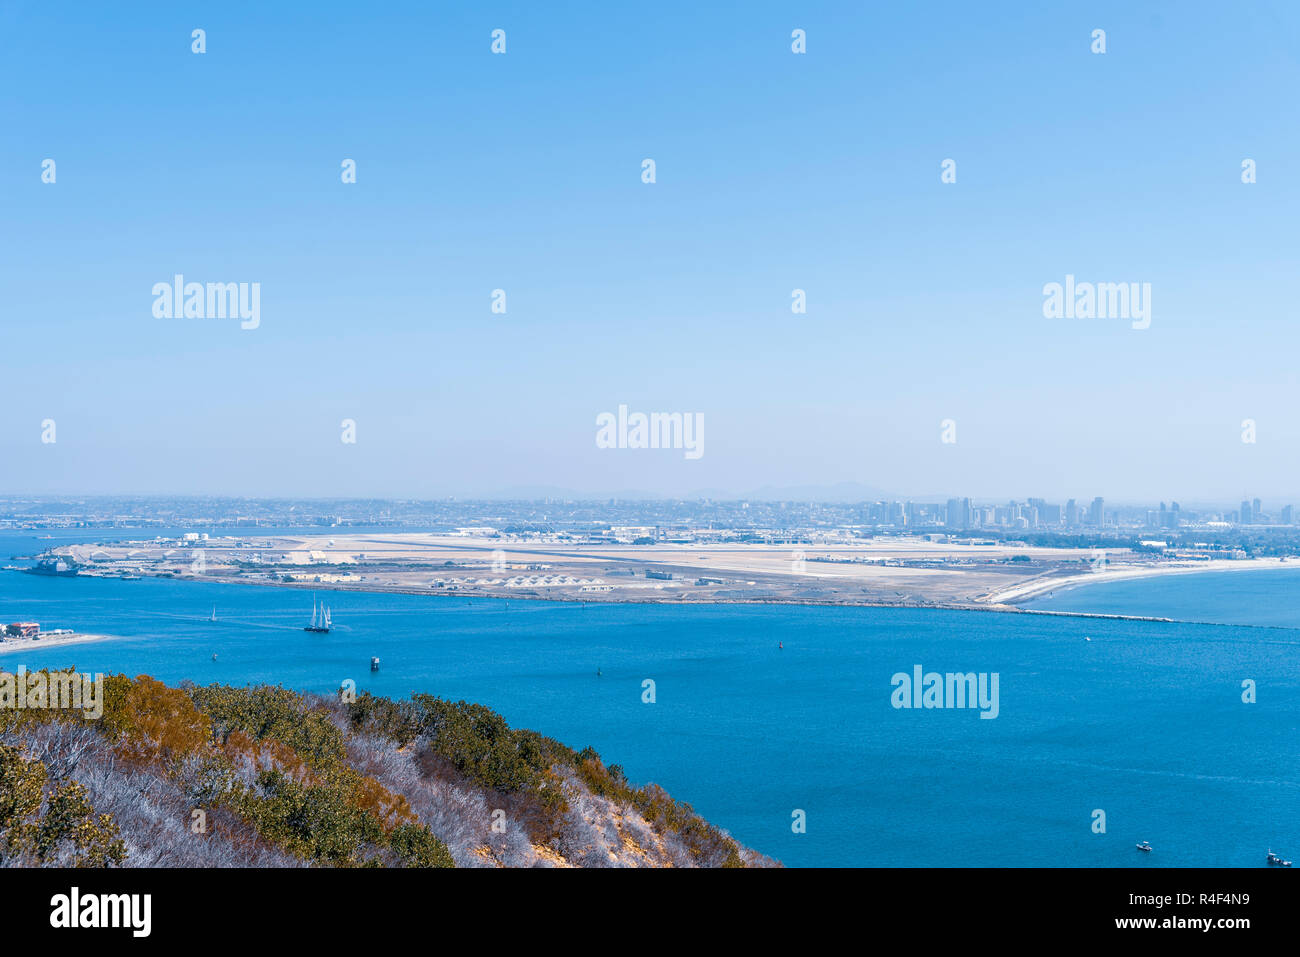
(959, 513)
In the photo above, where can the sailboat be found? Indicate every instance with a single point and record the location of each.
(320, 619)
(214, 613)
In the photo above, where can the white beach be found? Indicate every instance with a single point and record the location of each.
(1046, 585)
(16, 645)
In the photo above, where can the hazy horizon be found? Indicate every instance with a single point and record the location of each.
(829, 495)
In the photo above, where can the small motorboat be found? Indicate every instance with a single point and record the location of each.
(1144, 846)
(1275, 861)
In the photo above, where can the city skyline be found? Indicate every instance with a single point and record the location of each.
(961, 512)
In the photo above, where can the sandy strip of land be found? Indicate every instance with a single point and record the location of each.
(16, 645)
(892, 571)
(1023, 591)
(900, 571)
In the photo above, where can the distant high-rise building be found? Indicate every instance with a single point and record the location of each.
(959, 513)
(1071, 514)
(1097, 513)
(1247, 516)
(1286, 515)
(1048, 515)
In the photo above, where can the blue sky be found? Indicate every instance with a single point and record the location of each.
(775, 171)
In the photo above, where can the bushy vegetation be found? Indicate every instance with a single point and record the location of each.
(478, 743)
(222, 776)
(60, 827)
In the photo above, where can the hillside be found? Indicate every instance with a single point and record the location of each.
(266, 777)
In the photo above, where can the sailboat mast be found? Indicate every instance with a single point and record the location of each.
(320, 616)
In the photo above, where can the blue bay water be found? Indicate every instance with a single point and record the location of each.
(1269, 596)
(1144, 721)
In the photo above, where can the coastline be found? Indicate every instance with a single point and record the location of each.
(999, 602)
(910, 573)
(1026, 591)
(16, 645)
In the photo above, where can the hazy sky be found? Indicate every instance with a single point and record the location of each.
(774, 171)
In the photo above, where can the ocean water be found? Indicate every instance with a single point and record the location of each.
(1144, 721)
(1269, 596)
